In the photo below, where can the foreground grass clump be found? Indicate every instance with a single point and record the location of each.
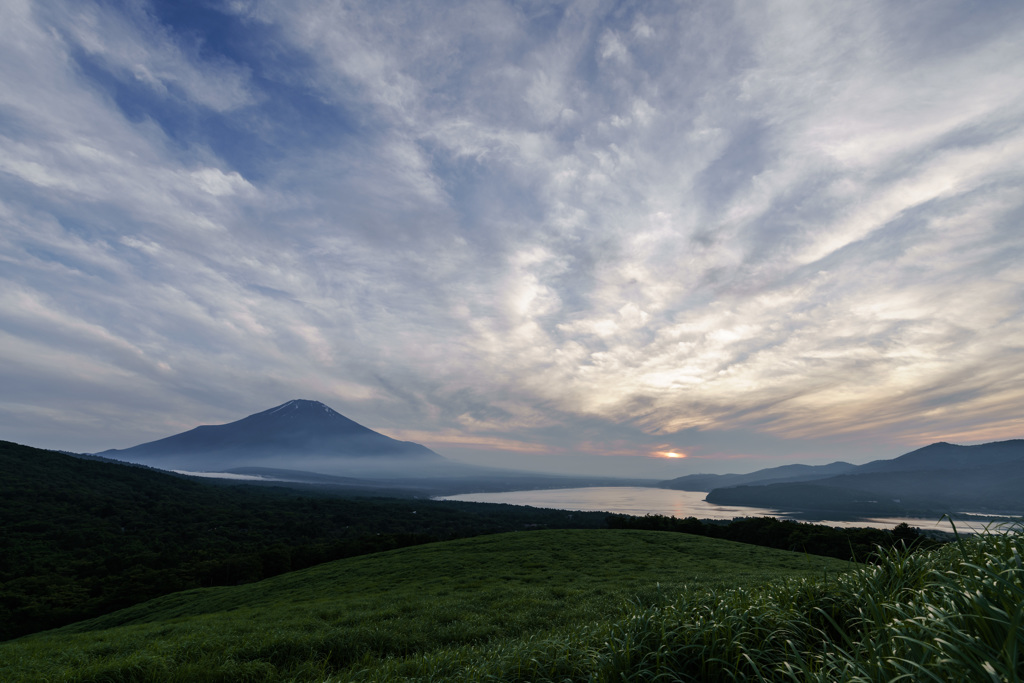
(448, 605)
(952, 614)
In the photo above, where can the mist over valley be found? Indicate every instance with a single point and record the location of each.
(307, 443)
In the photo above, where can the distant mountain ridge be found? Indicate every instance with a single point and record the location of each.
(948, 456)
(938, 478)
(294, 432)
(784, 473)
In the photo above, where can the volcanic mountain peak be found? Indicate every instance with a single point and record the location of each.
(304, 414)
(302, 406)
(294, 430)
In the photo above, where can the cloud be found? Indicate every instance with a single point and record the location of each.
(134, 47)
(216, 182)
(493, 221)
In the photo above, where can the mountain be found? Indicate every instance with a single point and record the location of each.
(939, 478)
(297, 435)
(785, 473)
(947, 456)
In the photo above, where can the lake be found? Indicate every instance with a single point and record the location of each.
(637, 500)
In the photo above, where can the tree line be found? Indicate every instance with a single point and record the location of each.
(858, 544)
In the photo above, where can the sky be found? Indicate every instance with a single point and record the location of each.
(559, 236)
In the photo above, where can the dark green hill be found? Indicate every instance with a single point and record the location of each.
(82, 537)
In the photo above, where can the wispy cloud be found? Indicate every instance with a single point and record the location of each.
(494, 222)
(130, 44)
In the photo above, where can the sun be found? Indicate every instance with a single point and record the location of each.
(669, 454)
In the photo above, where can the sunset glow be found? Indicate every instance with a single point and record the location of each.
(670, 454)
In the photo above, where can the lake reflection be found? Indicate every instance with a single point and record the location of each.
(628, 500)
(637, 500)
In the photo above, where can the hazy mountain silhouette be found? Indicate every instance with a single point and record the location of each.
(784, 473)
(294, 435)
(948, 456)
(938, 478)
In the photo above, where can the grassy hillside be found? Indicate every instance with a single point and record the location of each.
(402, 606)
(949, 614)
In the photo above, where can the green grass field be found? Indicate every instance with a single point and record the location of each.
(416, 611)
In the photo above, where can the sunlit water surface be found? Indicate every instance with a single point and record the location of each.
(637, 500)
